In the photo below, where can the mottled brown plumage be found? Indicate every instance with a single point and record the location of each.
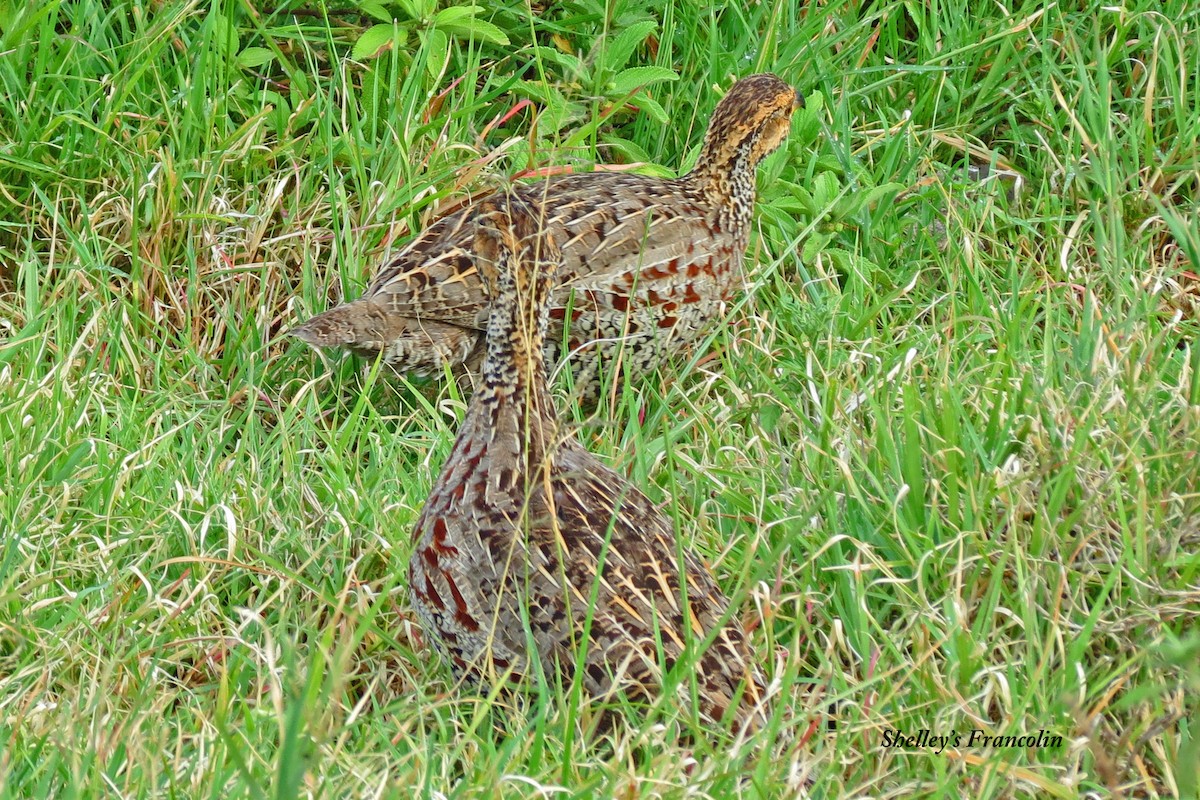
(646, 261)
(528, 540)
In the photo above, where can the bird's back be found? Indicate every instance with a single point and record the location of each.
(621, 235)
(591, 566)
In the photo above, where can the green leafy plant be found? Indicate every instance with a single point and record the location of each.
(434, 28)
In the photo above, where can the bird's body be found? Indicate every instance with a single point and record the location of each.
(646, 262)
(531, 555)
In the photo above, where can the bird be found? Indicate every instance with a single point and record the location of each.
(647, 262)
(531, 556)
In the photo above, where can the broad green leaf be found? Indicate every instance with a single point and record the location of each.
(813, 245)
(806, 200)
(556, 113)
(806, 125)
(827, 162)
(825, 189)
(423, 9)
(375, 40)
(769, 415)
(651, 107)
(437, 51)
(479, 29)
(854, 202)
(409, 9)
(555, 56)
(280, 109)
(790, 206)
(255, 57)
(300, 86)
(270, 98)
(656, 171)
(542, 93)
(847, 206)
(843, 259)
(629, 80)
(375, 10)
(518, 155)
(618, 50)
(780, 214)
(224, 37)
(873, 196)
(632, 151)
(448, 16)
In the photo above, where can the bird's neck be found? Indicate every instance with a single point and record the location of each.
(513, 401)
(724, 175)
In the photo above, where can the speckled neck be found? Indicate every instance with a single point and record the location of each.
(512, 407)
(725, 176)
(517, 326)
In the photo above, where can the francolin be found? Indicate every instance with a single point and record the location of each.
(531, 555)
(646, 262)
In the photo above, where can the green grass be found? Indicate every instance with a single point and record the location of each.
(945, 451)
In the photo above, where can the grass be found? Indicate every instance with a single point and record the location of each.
(945, 449)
